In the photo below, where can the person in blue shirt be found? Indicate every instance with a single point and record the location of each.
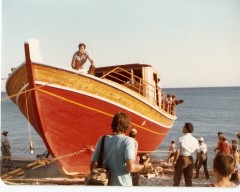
(119, 153)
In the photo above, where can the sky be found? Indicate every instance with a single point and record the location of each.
(191, 43)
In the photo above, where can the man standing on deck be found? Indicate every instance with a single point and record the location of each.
(183, 160)
(5, 148)
(79, 59)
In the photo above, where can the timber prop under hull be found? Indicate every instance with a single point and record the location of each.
(71, 111)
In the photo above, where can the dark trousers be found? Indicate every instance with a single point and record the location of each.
(202, 162)
(6, 161)
(135, 178)
(183, 166)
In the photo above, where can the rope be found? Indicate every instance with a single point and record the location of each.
(28, 90)
(40, 163)
(84, 149)
(28, 122)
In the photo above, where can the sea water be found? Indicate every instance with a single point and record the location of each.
(210, 110)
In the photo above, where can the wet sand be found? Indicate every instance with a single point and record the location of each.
(50, 174)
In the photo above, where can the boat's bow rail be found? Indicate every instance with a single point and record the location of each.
(151, 92)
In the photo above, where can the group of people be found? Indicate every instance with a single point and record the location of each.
(121, 152)
(225, 164)
(229, 149)
(169, 103)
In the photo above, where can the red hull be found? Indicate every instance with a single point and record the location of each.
(73, 121)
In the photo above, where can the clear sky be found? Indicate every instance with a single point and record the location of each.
(191, 43)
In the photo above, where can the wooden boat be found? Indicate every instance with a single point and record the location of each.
(70, 110)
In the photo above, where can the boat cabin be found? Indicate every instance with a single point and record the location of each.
(141, 78)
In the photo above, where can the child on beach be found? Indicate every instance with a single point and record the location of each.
(223, 166)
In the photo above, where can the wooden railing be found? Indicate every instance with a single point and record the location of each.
(153, 93)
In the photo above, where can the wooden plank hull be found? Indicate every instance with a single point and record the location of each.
(74, 122)
(71, 111)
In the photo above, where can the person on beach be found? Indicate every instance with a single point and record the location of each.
(238, 136)
(135, 176)
(119, 153)
(224, 146)
(5, 148)
(235, 154)
(79, 59)
(183, 160)
(223, 166)
(220, 135)
(171, 151)
(202, 158)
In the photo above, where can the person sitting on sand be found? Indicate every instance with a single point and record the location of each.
(223, 166)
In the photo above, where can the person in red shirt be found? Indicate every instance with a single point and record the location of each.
(224, 146)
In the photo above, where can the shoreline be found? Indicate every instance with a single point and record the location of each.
(51, 174)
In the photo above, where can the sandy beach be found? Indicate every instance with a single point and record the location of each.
(51, 174)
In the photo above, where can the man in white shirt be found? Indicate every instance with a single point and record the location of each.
(202, 158)
(183, 160)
